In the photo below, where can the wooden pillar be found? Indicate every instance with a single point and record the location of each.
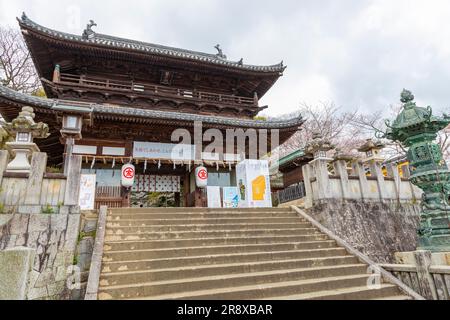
(177, 199)
(126, 200)
(199, 198)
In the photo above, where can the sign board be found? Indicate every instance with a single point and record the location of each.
(165, 151)
(214, 200)
(230, 197)
(128, 174)
(254, 184)
(87, 191)
(201, 177)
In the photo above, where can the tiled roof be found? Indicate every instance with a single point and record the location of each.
(120, 43)
(56, 105)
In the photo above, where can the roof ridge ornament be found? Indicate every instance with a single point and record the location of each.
(24, 16)
(88, 33)
(220, 52)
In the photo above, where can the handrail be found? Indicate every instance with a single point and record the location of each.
(131, 86)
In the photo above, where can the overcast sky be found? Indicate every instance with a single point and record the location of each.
(357, 53)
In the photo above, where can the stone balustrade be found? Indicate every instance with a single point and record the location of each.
(336, 179)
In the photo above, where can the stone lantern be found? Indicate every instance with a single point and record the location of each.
(319, 146)
(416, 128)
(372, 150)
(24, 129)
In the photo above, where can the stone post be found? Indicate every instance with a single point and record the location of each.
(34, 184)
(426, 283)
(319, 147)
(358, 169)
(375, 169)
(4, 157)
(340, 167)
(308, 187)
(72, 194)
(393, 172)
(373, 159)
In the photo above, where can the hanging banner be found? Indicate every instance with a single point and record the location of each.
(254, 184)
(214, 200)
(128, 175)
(230, 197)
(166, 151)
(87, 191)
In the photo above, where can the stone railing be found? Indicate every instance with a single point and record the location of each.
(37, 191)
(423, 275)
(327, 179)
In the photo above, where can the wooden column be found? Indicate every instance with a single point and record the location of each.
(126, 201)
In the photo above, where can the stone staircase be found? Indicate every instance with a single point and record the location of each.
(227, 254)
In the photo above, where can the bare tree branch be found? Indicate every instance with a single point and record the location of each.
(17, 70)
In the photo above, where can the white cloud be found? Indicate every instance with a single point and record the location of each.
(359, 53)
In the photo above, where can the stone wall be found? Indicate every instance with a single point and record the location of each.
(377, 229)
(54, 237)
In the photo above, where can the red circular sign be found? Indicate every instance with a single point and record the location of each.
(128, 173)
(203, 174)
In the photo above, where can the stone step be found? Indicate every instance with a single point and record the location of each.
(210, 215)
(160, 244)
(120, 235)
(353, 293)
(220, 288)
(128, 255)
(143, 226)
(115, 211)
(208, 260)
(332, 266)
(228, 220)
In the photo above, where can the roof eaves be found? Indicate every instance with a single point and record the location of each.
(116, 42)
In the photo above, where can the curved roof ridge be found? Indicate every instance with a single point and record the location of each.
(107, 40)
(27, 99)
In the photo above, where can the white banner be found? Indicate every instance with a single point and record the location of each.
(214, 200)
(87, 191)
(166, 151)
